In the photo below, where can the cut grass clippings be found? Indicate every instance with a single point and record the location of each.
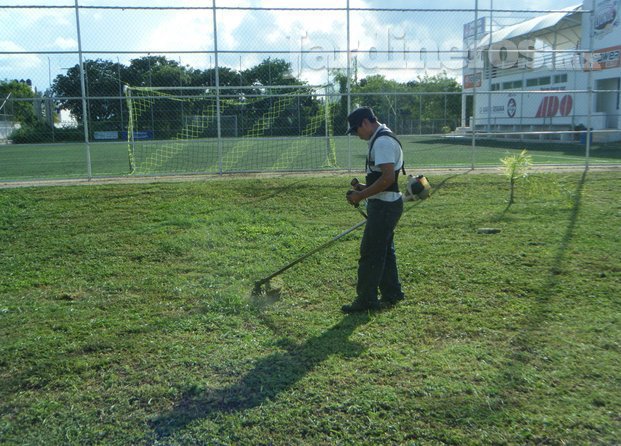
(126, 315)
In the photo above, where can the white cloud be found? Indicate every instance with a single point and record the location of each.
(65, 43)
(26, 18)
(10, 63)
(193, 31)
(181, 31)
(413, 38)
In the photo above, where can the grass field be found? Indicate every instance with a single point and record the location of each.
(126, 315)
(111, 159)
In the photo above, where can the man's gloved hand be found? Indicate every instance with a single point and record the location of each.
(353, 197)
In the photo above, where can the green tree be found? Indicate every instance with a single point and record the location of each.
(412, 106)
(103, 83)
(270, 72)
(433, 107)
(392, 101)
(288, 113)
(339, 114)
(107, 106)
(226, 76)
(155, 71)
(20, 103)
(387, 99)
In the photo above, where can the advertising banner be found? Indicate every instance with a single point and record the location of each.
(474, 28)
(472, 80)
(537, 108)
(106, 135)
(605, 18)
(139, 135)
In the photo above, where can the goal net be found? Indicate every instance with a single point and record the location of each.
(241, 129)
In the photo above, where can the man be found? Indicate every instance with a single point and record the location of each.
(377, 267)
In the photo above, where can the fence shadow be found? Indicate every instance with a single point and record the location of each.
(510, 378)
(257, 195)
(536, 317)
(525, 343)
(268, 378)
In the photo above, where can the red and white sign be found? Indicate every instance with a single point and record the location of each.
(603, 59)
(472, 80)
(551, 106)
(527, 108)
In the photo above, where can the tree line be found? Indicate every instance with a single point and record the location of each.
(401, 105)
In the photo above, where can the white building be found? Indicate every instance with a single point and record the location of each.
(534, 76)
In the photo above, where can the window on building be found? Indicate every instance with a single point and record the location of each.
(546, 80)
(512, 84)
(560, 78)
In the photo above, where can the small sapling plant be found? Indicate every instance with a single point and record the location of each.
(516, 167)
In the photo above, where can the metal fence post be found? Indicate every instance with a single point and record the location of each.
(474, 86)
(590, 94)
(89, 169)
(217, 73)
(348, 84)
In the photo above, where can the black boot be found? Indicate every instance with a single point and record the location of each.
(390, 301)
(359, 305)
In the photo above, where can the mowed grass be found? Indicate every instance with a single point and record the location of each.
(126, 315)
(26, 161)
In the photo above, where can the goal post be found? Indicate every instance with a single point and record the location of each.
(6, 119)
(260, 128)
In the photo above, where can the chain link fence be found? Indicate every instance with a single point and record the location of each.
(91, 88)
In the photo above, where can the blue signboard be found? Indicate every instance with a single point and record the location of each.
(139, 135)
(474, 28)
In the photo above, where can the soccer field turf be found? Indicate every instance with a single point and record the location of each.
(23, 161)
(126, 315)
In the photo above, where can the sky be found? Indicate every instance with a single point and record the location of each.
(399, 45)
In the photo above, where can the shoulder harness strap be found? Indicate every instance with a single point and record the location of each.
(369, 162)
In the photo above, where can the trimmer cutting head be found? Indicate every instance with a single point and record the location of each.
(264, 292)
(258, 287)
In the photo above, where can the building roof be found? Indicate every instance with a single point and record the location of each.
(532, 27)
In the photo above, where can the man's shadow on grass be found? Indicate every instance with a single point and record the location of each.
(271, 376)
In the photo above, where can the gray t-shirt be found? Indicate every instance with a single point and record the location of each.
(385, 150)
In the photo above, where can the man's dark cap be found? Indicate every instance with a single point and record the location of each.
(356, 117)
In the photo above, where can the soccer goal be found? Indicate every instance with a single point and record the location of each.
(234, 129)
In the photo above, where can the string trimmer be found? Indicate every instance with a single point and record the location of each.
(259, 283)
(412, 191)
